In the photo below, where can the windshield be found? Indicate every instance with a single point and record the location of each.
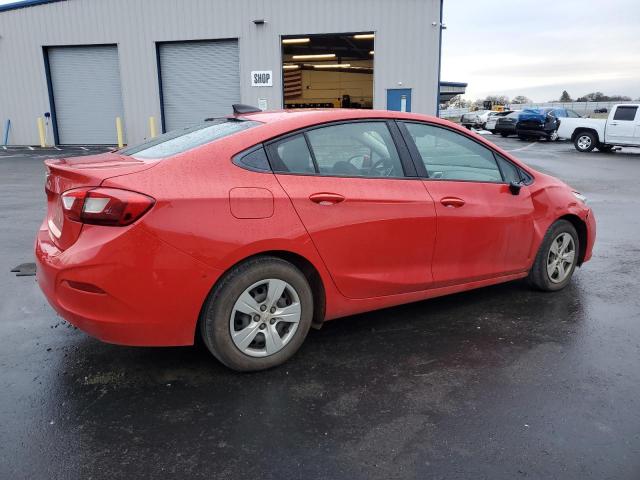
(178, 141)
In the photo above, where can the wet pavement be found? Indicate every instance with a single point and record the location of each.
(498, 383)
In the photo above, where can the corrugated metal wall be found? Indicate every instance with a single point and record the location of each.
(406, 47)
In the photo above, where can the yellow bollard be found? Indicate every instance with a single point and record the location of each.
(119, 131)
(152, 126)
(43, 142)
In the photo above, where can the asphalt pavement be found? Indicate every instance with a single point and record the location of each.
(498, 383)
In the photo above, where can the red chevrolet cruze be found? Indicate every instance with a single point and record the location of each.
(250, 229)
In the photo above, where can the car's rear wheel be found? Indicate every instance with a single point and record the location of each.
(557, 257)
(504, 135)
(585, 142)
(258, 315)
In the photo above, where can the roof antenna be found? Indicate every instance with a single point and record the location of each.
(239, 108)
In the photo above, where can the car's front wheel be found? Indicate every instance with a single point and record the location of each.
(585, 142)
(557, 257)
(258, 315)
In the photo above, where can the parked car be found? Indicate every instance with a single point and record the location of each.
(506, 125)
(492, 119)
(476, 119)
(250, 229)
(542, 122)
(621, 128)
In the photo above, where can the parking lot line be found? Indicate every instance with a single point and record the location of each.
(522, 148)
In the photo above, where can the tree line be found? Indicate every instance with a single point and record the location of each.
(459, 102)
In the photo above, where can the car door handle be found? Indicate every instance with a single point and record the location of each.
(452, 202)
(326, 198)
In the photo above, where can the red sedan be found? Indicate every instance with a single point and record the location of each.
(250, 229)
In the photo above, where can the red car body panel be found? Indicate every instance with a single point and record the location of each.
(476, 239)
(145, 283)
(373, 245)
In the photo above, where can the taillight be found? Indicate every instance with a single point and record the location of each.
(105, 206)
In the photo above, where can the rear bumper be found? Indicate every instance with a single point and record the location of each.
(124, 285)
(529, 132)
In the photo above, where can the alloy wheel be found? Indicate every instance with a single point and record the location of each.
(561, 257)
(584, 142)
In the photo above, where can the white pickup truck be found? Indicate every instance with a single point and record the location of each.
(621, 129)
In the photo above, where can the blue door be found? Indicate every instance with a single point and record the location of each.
(399, 99)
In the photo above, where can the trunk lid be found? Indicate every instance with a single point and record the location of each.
(73, 172)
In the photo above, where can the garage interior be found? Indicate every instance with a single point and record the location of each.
(328, 70)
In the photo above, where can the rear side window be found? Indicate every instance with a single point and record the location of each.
(293, 156)
(179, 141)
(254, 159)
(625, 113)
(449, 155)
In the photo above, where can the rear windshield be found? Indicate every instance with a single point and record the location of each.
(178, 141)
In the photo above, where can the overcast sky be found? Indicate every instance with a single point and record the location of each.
(539, 48)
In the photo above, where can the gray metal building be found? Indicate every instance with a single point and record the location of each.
(88, 62)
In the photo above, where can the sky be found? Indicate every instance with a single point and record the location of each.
(538, 48)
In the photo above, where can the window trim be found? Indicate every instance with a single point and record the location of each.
(422, 170)
(408, 166)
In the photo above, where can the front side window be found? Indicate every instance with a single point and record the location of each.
(625, 113)
(179, 141)
(449, 155)
(356, 149)
(510, 172)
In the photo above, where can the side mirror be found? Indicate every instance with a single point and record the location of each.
(514, 188)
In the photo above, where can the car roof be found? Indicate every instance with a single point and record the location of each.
(288, 120)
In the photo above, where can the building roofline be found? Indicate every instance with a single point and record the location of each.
(453, 84)
(25, 4)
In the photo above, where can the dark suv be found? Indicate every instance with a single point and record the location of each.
(541, 122)
(506, 125)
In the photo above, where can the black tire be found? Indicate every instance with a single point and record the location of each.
(217, 310)
(504, 135)
(538, 275)
(605, 148)
(522, 138)
(585, 142)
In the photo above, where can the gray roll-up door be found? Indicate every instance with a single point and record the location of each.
(86, 93)
(199, 80)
